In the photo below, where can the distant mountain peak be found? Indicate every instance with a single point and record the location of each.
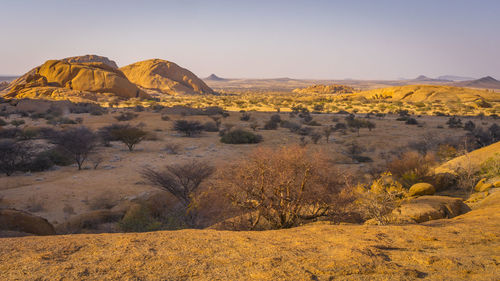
(214, 77)
(487, 79)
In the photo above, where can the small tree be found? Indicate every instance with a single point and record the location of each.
(16, 123)
(14, 156)
(79, 142)
(354, 151)
(130, 136)
(315, 137)
(188, 128)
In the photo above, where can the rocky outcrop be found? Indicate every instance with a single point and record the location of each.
(325, 89)
(165, 77)
(91, 58)
(59, 78)
(19, 221)
(426, 208)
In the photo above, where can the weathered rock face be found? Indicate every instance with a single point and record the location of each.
(59, 78)
(426, 208)
(165, 77)
(91, 58)
(14, 220)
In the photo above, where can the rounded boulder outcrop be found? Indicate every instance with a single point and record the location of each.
(165, 77)
(15, 220)
(57, 79)
(421, 188)
(426, 208)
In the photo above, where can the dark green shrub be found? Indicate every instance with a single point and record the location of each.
(240, 136)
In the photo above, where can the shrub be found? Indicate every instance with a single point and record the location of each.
(210, 127)
(411, 167)
(271, 125)
(240, 137)
(126, 116)
(14, 156)
(292, 186)
(377, 200)
(411, 121)
(188, 128)
(2, 122)
(9, 133)
(245, 116)
(79, 142)
(469, 126)
(454, 122)
(130, 136)
(165, 117)
(292, 126)
(353, 150)
(315, 137)
(139, 219)
(105, 133)
(181, 180)
(172, 148)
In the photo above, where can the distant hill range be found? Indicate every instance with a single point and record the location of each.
(8, 78)
(487, 82)
(455, 78)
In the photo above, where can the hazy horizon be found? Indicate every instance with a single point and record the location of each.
(324, 40)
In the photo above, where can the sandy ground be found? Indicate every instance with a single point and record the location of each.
(466, 247)
(118, 176)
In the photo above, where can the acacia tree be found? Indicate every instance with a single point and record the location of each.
(130, 136)
(189, 128)
(79, 142)
(281, 186)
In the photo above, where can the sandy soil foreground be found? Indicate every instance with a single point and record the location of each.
(466, 247)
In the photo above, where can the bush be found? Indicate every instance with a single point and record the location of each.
(454, 122)
(240, 137)
(271, 125)
(292, 187)
(2, 122)
(139, 219)
(105, 133)
(14, 156)
(412, 167)
(245, 117)
(79, 142)
(165, 117)
(210, 126)
(377, 200)
(188, 128)
(130, 136)
(126, 116)
(292, 126)
(411, 121)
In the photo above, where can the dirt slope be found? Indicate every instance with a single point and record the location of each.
(466, 247)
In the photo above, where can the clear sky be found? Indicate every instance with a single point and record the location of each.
(371, 39)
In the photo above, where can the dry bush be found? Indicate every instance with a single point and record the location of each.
(377, 200)
(411, 167)
(182, 181)
(283, 187)
(172, 148)
(104, 201)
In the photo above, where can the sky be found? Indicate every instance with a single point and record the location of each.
(314, 39)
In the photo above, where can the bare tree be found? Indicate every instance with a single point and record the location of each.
(327, 132)
(281, 186)
(79, 142)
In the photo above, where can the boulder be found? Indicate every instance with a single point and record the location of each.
(427, 208)
(15, 220)
(165, 77)
(420, 189)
